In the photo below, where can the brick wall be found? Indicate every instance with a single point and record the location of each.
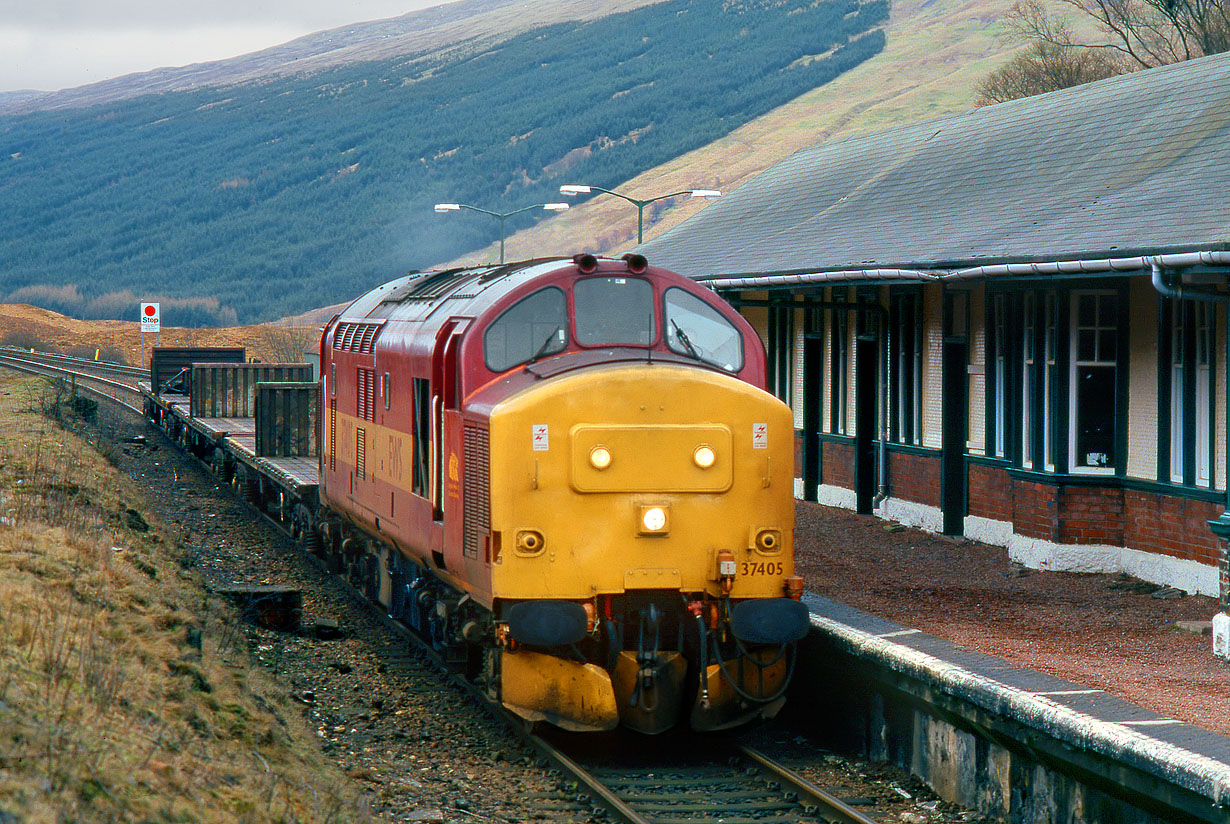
(1090, 515)
(1171, 526)
(798, 453)
(990, 493)
(914, 477)
(1034, 512)
(838, 464)
(1147, 521)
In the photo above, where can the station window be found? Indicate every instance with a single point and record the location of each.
(1188, 350)
(1093, 396)
(614, 310)
(839, 342)
(905, 355)
(532, 328)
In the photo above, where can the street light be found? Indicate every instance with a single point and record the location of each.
(573, 189)
(500, 216)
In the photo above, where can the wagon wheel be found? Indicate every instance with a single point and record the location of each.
(221, 466)
(247, 486)
(303, 529)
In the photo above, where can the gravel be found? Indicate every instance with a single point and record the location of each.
(423, 752)
(1107, 632)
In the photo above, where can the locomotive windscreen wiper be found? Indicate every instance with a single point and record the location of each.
(542, 350)
(683, 338)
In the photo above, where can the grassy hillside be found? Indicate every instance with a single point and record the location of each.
(112, 707)
(935, 54)
(277, 196)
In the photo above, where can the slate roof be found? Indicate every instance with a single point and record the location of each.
(1138, 164)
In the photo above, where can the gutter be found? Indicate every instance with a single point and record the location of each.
(1175, 260)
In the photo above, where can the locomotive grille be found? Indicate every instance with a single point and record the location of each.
(477, 518)
(360, 453)
(333, 434)
(356, 337)
(367, 395)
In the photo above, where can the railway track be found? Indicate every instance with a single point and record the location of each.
(112, 382)
(693, 781)
(682, 780)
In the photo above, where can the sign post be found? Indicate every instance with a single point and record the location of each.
(150, 322)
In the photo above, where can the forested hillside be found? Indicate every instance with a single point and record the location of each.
(280, 195)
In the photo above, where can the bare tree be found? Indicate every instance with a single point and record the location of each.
(1146, 33)
(1046, 67)
(286, 343)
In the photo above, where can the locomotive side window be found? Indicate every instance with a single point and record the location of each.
(697, 330)
(614, 310)
(420, 475)
(532, 328)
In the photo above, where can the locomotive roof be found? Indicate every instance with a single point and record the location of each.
(466, 292)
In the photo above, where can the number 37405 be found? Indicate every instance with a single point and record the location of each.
(761, 568)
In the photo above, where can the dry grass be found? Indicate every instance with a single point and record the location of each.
(42, 329)
(109, 708)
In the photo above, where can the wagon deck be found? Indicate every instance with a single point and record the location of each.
(263, 442)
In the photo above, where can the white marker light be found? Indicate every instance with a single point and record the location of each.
(704, 456)
(653, 519)
(600, 458)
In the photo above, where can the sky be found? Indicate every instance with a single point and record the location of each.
(58, 44)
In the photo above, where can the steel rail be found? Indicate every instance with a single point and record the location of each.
(644, 791)
(34, 367)
(831, 808)
(51, 358)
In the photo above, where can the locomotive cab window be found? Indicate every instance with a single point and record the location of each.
(532, 328)
(697, 330)
(614, 311)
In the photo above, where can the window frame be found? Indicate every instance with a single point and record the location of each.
(1075, 363)
(494, 325)
(655, 333)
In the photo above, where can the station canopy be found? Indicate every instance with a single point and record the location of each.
(1133, 165)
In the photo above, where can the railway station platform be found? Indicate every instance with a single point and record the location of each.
(1023, 742)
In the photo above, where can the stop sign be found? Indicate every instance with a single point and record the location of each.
(150, 318)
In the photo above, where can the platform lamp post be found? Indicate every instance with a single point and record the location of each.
(574, 189)
(500, 216)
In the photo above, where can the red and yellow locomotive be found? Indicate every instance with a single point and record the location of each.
(567, 474)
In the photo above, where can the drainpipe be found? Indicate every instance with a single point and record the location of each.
(882, 468)
(1180, 292)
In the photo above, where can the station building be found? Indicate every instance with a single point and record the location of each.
(1009, 324)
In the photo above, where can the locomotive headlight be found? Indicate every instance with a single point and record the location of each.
(599, 458)
(655, 520)
(704, 456)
